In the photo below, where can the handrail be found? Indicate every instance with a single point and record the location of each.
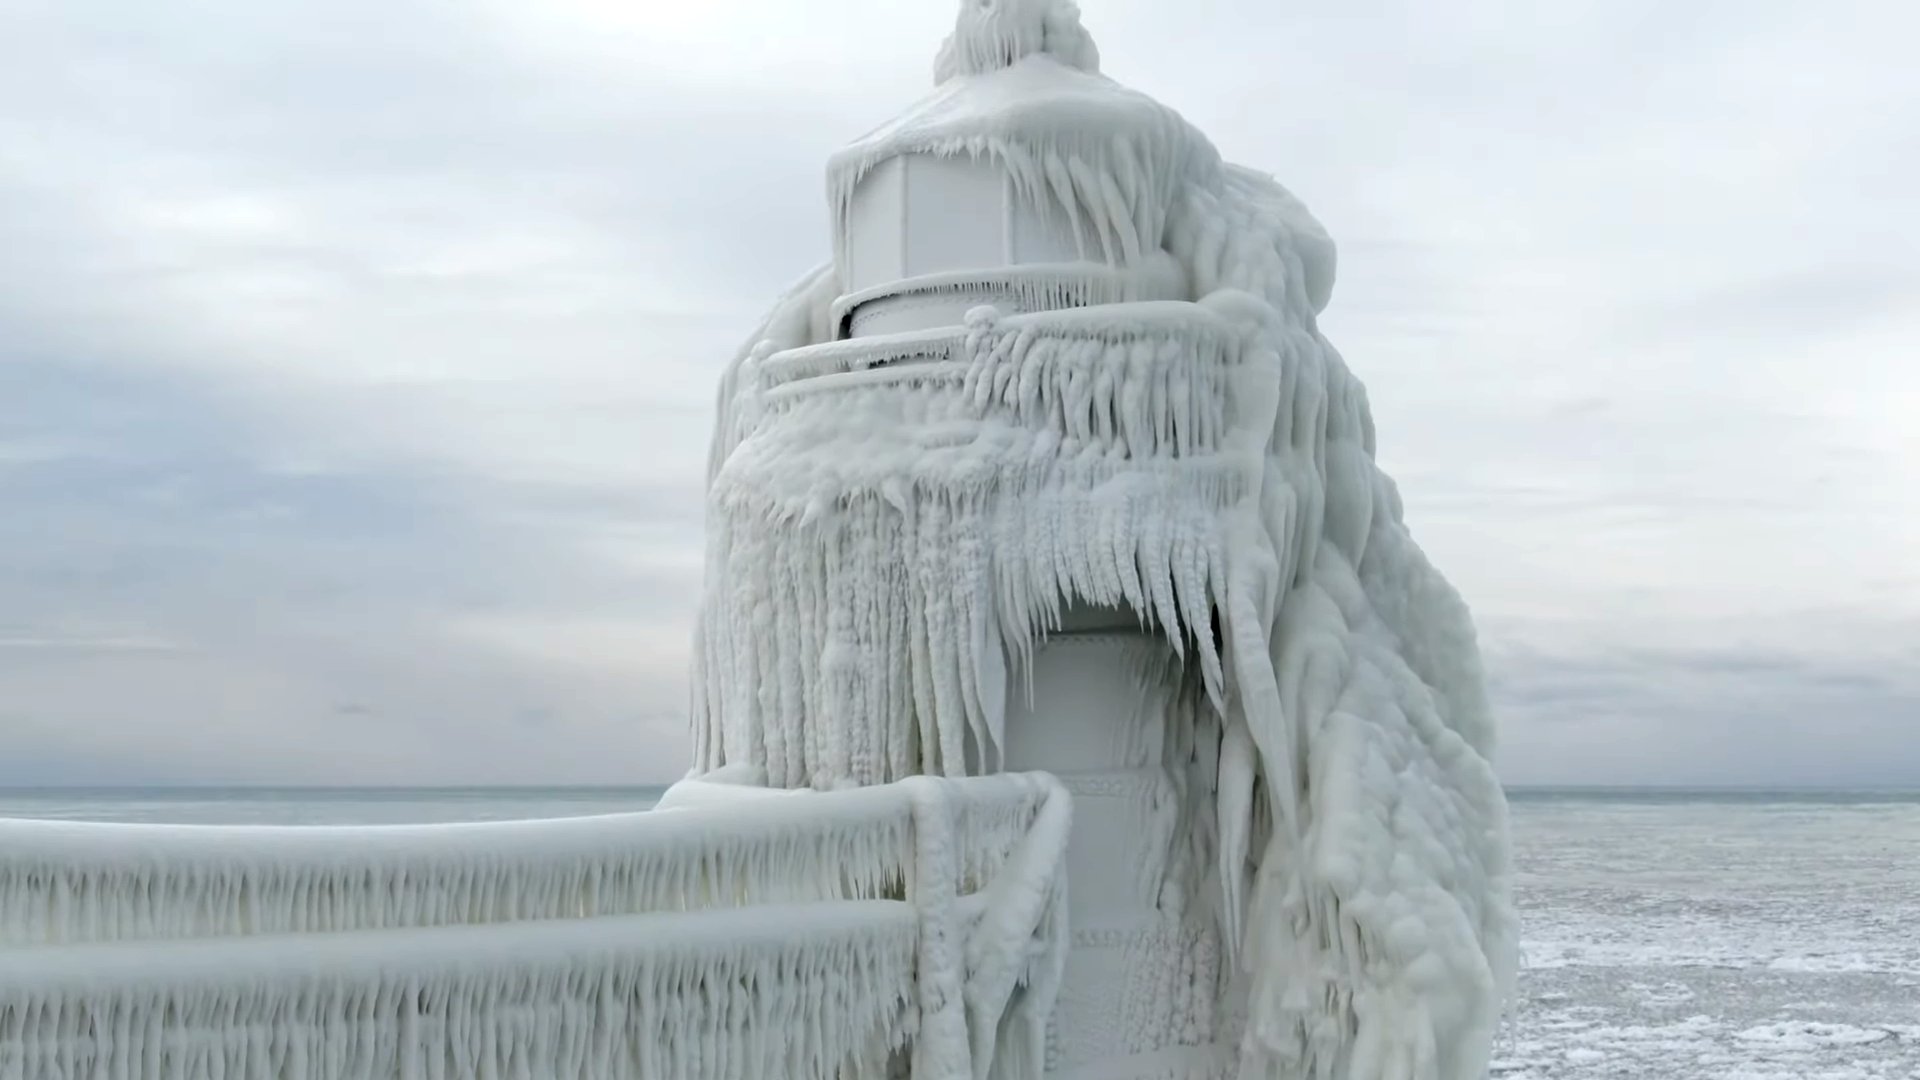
(139, 930)
(69, 882)
(653, 996)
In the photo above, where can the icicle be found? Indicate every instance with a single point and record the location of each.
(1207, 465)
(615, 993)
(696, 941)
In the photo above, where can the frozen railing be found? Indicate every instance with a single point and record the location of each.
(791, 935)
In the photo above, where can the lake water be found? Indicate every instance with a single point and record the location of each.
(1668, 935)
(1749, 935)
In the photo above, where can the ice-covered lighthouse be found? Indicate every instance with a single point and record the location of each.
(1051, 469)
(1070, 699)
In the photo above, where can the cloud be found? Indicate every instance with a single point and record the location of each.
(90, 644)
(177, 598)
(1706, 715)
(362, 356)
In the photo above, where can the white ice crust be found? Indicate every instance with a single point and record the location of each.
(894, 524)
(993, 34)
(922, 918)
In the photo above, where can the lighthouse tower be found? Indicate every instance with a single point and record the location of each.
(1050, 469)
(939, 245)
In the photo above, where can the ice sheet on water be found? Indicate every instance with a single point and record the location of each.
(1685, 941)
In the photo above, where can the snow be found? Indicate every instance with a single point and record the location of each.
(895, 522)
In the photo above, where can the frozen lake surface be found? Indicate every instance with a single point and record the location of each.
(1667, 936)
(1683, 936)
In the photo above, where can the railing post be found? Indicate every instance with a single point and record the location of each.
(941, 1050)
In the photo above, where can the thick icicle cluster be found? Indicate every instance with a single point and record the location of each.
(1077, 455)
(896, 522)
(921, 918)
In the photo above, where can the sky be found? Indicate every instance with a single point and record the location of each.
(357, 359)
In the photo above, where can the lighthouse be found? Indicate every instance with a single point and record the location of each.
(1070, 698)
(1049, 468)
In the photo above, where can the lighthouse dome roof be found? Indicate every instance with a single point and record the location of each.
(1019, 87)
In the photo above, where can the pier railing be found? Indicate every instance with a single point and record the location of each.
(817, 935)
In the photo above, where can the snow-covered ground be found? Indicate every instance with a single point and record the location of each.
(1755, 938)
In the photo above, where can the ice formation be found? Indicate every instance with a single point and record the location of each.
(714, 994)
(921, 918)
(77, 882)
(1063, 374)
(900, 511)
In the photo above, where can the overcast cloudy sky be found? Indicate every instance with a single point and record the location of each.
(356, 357)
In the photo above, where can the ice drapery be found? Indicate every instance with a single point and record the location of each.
(74, 882)
(994, 33)
(666, 997)
(895, 522)
(922, 918)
